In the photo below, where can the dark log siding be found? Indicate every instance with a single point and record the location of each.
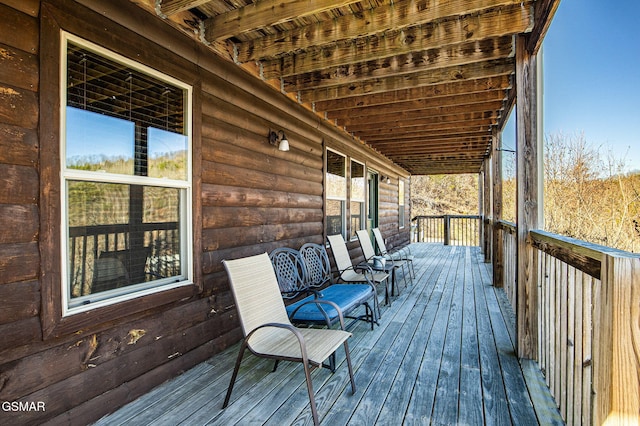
(248, 198)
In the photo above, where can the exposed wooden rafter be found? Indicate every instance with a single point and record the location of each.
(423, 82)
(265, 13)
(394, 16)
(415, 39)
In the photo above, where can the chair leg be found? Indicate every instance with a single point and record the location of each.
(406, 272)
(394, 289)
(369, 314)
(348, 357)
(312, 398)
(386, 291)
(373, 311)
(243, 347)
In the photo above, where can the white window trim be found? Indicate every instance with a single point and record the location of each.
(343, 213)
(186, 214)
(362, 201)
(401, 202)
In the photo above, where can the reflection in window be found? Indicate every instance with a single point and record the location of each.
(357, 198)
(126, 178)
(336, 182)
(109, 249)
(98, 142)
(167, 154)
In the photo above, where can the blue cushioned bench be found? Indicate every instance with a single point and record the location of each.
(305, 276)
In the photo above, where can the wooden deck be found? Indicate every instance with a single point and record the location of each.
(443, 354)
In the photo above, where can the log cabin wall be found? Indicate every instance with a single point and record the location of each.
(248, 198)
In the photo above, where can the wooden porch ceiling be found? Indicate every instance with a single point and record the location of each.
(423, 82)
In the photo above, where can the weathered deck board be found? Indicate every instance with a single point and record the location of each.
(443, 354)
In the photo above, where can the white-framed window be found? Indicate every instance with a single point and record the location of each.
(357, 209)
(336, 189)
(125, 178)
(401, 211)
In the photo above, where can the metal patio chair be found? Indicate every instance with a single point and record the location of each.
(268, 333)
(349, 296)
(388, 265)
(355, 273)
(310, 307)
(400, 253)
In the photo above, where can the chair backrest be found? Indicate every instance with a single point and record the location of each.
(317, 264)
(365, 244)
(340, 252)
(379, 240)
(290, 271)
(255, 289)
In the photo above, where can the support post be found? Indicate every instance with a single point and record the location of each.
(527, 196)
(487, 214)
(447, 229)
(496, 237)
(616, 364)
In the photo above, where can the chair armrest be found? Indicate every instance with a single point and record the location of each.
(289, 327)
(364, 269)
(319, 302)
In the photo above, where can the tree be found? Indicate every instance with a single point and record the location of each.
(586, 194)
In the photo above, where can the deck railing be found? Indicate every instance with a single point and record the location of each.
(588, 325)
(509, 248)
(455, 230)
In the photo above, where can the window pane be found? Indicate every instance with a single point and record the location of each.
(121, 236)
(122, 120)
(167, 154)
(357, 217)
(336, 175)
(335, 210)
(401, 203)
(98, 142)
(357, 181)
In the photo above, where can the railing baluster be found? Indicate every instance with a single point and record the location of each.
(457, 230)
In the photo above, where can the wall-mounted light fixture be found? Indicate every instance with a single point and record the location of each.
(385, 179)
(279, 139)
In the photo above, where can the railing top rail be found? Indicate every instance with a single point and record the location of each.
(591, 250)
(582, 255)
(452, 216)
(508, 226)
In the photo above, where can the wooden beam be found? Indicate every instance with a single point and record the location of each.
(527, 197)
(462, 100)
(369, 22)
(446, 142)
(171, 7)
(265, 13)
(414, 62)
(487, 110)
(544, 13)
(417, 125)
(478, 149)
(445, 169)
(392, 43)
(481, 70)
(403, 135)
(435, 92)
(463, 159)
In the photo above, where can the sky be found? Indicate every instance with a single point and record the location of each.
(591, 62)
